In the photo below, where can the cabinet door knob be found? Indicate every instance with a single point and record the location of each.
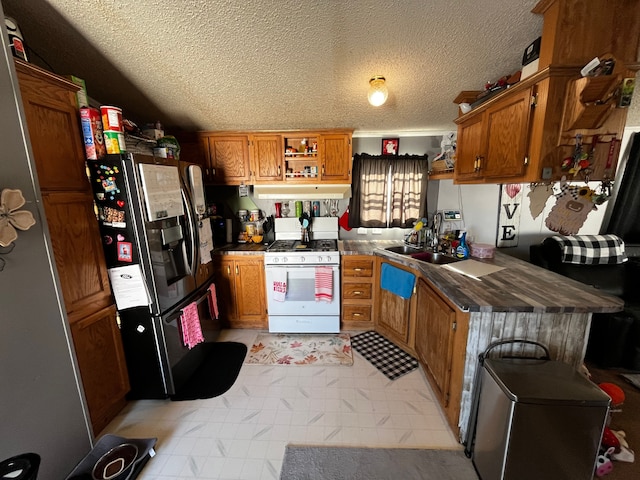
(228, 270)
(237, 272)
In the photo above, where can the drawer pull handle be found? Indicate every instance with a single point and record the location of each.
(357, 269)
(357, 314)
(357, 293)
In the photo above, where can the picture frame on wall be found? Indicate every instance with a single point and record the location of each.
(390, 146)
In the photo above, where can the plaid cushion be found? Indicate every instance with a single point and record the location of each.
(387, 357)
(592, 249)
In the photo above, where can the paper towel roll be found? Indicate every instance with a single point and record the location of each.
(228, 224)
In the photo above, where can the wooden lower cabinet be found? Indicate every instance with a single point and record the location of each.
(395, 317)
(241, 291)
(102, 364)
(358, 293)
(440, 344)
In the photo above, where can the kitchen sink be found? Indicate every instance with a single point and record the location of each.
(422, 255)
(434, 257)
(404, 249)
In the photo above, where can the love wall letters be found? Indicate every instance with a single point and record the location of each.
(509, 218)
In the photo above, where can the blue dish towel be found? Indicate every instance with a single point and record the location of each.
(397, 281)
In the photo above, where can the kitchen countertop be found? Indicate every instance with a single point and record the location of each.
(240, 249)
(520, 287)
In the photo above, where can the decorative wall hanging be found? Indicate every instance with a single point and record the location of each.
(11, 219)
(509, 218)
(538, 196)
(390, 146)
(573, 204)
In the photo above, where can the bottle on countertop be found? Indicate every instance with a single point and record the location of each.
(462, 250)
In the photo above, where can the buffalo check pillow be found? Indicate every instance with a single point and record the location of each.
(592, 249)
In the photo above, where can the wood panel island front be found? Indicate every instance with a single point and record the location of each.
(452, 318)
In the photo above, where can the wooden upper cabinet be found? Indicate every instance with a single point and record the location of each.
(507, 137)
(78, 252)
(54, 126)
(229, 158)
(523, 133)
(336, 157)
(494, 143)
(266, 158)
(471, 145)
(575, 31)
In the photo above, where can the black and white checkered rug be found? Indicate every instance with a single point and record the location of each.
(390, 359)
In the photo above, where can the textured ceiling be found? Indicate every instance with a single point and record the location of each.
(281, 64)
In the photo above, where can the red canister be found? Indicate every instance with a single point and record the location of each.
(111, 118)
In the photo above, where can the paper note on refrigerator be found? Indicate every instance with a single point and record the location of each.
(206, 240)
(129, 287)
(162, 193)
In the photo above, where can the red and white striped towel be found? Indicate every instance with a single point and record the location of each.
(279, 284)
(190, 323)
(324, 284)
(213, 301)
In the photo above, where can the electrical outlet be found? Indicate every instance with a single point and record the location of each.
(362, 231)
(546, 173)
(376, 231)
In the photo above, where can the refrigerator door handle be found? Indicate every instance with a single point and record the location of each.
(193, 234)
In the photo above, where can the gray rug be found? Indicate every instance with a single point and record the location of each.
(334, 463)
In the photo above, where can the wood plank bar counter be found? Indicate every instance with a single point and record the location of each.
(522, 301)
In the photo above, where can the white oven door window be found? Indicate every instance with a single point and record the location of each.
(300, 297)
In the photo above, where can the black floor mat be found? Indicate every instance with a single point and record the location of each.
(216, 374)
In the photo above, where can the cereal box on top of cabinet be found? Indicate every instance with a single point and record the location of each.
(92, 133)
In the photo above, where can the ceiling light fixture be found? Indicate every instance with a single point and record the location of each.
(378, 92)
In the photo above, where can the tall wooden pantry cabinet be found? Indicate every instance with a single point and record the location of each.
(54, 129)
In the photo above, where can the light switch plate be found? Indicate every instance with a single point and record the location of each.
(376, 231)
(362, 231)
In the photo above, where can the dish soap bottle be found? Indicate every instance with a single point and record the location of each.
(462, 250)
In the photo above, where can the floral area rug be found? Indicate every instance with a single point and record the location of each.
(286, 349)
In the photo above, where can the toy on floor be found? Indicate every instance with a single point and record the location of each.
(624, 454)
(613, 444)
(609, 440)
(604, 465)
(615, 393)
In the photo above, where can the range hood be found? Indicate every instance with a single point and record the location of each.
(302, 192)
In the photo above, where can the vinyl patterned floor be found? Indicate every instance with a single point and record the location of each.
(242, 434)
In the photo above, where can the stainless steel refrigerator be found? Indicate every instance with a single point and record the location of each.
(151, 211)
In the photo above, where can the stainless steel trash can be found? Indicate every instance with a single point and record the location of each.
(537, 419)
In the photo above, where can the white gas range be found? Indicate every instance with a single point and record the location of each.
(303, 278)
